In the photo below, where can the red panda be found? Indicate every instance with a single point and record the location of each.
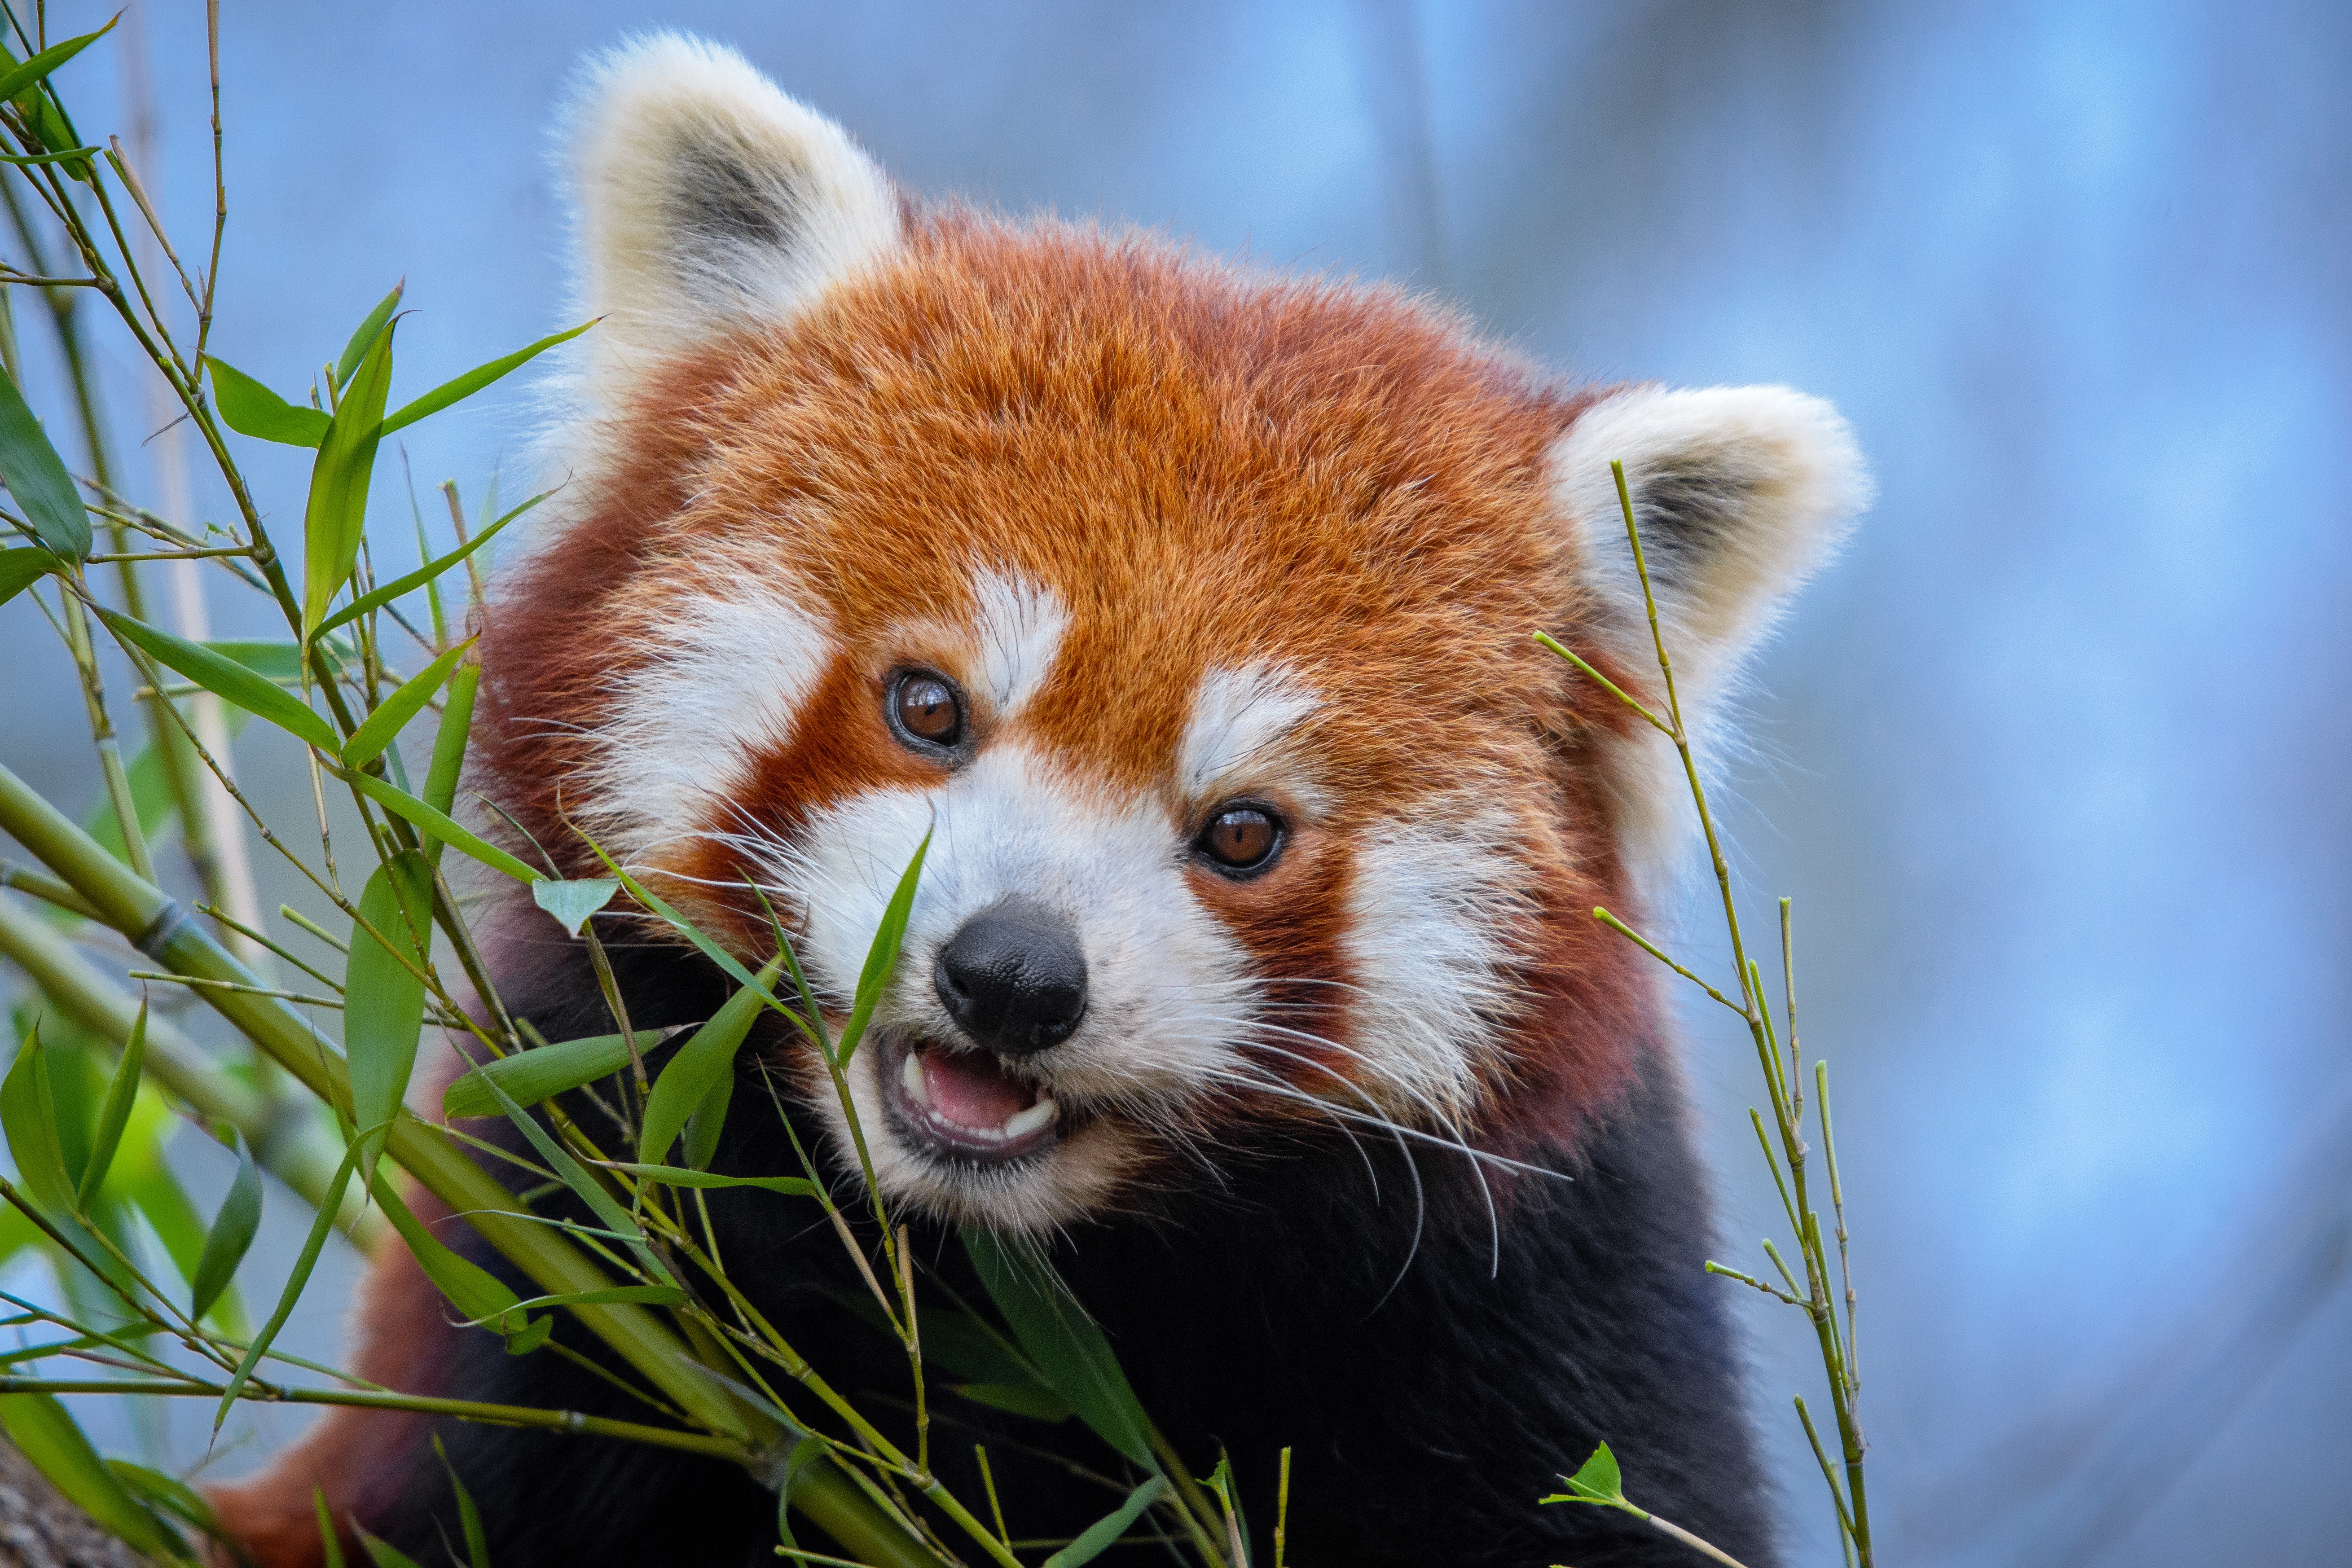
(1251, 973)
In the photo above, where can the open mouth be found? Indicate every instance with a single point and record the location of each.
(964, 1102)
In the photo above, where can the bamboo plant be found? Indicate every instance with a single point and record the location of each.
(368, 662)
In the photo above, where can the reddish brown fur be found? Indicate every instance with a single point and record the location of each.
(1208, 468)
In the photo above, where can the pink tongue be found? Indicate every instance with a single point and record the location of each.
(969, 1089)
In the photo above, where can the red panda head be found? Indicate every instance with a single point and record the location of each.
(1186, 610)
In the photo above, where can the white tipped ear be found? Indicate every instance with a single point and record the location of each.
(708, 200)
(1740, 492)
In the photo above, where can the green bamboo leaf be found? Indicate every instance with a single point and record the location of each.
(543, 1072)
(677, 922)
(572, 902)
(481, 1297)
(393, 714)
(882, 957)
(336, 514)
(1104, 1532)
(707, 1123)
(806, 1455)
(449, 743)
(691, 1075)
(115, 1114)
(36, 101)
(250, 408)
(21, 567)
(383, 1553)
(364, 335)
(474, 380)
(1598, 1481)
(427, 572)
(155, 1193)
(439, 825)
(676, 1176)
(1220, 1482)
(1033, 1400)
(608, 1296)
(28, 1115)
(17, 78)
(568, 1171)
(46, 1435)
(278, 660)
(383, 1000)
(469, 1518)
(305, 1262)
(36, 477)
(226, 679)
(170, 1494)
(231, 1235)
(330, 1543)
(1062, 1343)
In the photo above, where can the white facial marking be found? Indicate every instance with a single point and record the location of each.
(1431, 902)
(1167, 987)
(721, 685)
(1239, 719)
(1020, 626)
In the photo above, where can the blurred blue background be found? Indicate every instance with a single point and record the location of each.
(2052, 761)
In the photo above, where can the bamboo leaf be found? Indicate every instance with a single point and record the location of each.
(383, 1000)
(469, 1518)
(231, 1235)
(225, 678)
(708, 1122)
(474, 380)
(572, 903)
(46, 1435)
(608, 1296)
(1598, 1481)
(543, 1072)
(392, 715)
(882, 957)
(569, 1172)
(439, 824)
(28, 1115)
(449, 743)
(481, 1297)
(305, 1262)
(685, 928)
(22, 566)
(694, 1072)
(157, 1193)
(1065, 1345)
(115, 1114)
(250, 408)
(364, 335)
(1104, 1532)
(382, 1553)
(330, 1544)
(675, 1176)
(17, 78)
(36, 477)
(425, 574)
(806, 1455)
(170, 1494)
(277, 660)
(1033, 1400)
(337, 511)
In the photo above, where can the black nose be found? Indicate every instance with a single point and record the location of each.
(1013, 978)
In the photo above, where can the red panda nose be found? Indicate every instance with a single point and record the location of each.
(1013, 978)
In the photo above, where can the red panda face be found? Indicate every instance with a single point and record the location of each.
(1184, 613)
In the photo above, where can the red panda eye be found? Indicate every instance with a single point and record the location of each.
(925, 709)
(1242, 839)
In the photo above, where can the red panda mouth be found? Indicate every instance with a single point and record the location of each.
(964, 1102)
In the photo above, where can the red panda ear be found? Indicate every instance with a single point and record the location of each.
(1740, 492)
(707, 200)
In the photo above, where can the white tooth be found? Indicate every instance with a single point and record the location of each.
(1041, 1114)
(911, 1076)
